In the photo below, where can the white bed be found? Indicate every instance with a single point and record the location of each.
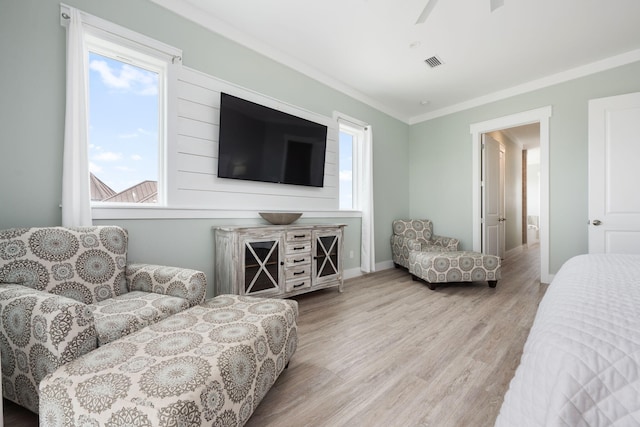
(581, 361)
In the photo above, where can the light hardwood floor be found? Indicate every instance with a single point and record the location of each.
(390, 352)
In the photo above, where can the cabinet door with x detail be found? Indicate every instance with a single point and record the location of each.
(327, 248)
(262, 265)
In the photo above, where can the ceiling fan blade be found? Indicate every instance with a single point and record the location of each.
(426, 11)
(496, 4)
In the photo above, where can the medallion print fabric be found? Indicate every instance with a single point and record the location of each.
(176, 282)
(40, 333)
(66, 291)
(124, 314)
(65, 261)
(209, 365)
(459, 266)
(417, 235)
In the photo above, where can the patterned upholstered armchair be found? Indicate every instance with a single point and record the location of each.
(417, 235)
(66, 291)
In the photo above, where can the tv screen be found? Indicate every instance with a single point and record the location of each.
(258, 143)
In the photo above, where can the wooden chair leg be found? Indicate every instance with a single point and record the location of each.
(492, 283)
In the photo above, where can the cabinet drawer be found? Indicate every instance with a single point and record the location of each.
(295, 236)
(297, 284)
(298, 248)
(292, 261)
(302, 272)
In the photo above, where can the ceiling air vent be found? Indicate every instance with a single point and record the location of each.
(433, 62)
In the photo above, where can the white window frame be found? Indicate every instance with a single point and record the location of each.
(109, 39)
(356, 129)
(133, 57)
(355, 135)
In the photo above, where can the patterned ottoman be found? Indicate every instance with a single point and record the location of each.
(209, 365)
(458, 266)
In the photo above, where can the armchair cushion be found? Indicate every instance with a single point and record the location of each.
(124, 314)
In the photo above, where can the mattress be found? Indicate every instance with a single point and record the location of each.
(581, 360)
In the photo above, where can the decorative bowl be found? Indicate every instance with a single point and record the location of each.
(280, 218)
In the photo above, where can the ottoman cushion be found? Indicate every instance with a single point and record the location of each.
(458, 266)
(209, 365)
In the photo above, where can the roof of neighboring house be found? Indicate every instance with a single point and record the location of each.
(99, 190)
(144, 192)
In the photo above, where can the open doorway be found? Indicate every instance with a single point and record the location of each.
(511, 190)
(541, 116)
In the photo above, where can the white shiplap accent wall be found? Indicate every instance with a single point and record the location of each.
(193, 160)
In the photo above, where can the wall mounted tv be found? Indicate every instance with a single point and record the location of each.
(258, 143)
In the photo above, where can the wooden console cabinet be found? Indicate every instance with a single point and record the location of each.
(278, 260)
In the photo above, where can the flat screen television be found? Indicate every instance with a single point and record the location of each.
(258, 143)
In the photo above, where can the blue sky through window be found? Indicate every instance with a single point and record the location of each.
(123, 122)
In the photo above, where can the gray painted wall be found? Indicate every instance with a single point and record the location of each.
(32, 123)
(440, 160)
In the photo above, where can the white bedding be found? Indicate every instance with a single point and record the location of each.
(581, 361)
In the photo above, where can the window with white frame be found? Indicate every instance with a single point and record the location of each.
(128, 77)
(126, 122)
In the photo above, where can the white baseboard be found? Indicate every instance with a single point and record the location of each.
(356, 272)
(384, 265)
(351, 273)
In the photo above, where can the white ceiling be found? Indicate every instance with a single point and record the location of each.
(374, 51)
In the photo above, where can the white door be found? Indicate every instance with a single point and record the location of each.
(614, 174)
(493, 205)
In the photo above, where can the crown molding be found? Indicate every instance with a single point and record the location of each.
(226, 30)
(564, 76)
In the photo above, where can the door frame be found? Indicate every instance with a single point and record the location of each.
(541, 115)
